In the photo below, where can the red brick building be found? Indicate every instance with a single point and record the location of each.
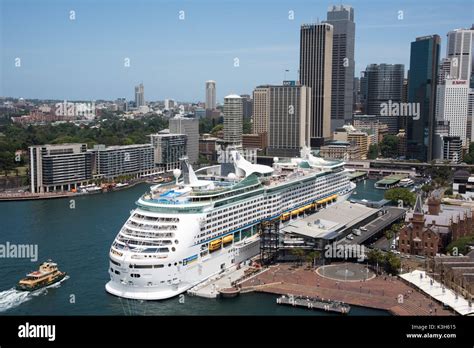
(430, 228)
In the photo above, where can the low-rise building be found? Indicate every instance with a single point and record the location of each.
(430, 228)
(341, 150)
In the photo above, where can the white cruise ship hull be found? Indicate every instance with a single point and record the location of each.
(164, 249)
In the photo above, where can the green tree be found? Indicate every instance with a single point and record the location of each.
(373, 151)
(389, 146)
(403, 194)
(299, 254)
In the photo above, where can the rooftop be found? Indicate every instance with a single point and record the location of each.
(330, 221)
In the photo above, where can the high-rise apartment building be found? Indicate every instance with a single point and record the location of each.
(460, 49)
(233, 119)
(190, 127)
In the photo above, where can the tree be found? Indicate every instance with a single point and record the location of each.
(373, 151)
(403, 194)
(391, 263)
(298, 253)
(389, 146)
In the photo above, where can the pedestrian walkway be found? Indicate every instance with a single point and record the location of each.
(437, 291)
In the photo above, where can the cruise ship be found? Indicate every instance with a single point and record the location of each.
(183, 232)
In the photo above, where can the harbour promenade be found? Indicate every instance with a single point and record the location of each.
(378, 292)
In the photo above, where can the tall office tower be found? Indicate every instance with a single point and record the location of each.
(289, 120)
(446, 70)
(356, 95)
(247, 105)
(190, 127)
(210, 95)
(341, 17)
(261, 109)
(139, 95)
(460, 49)
(316, 72)
(424, 58)
(452, 105)
(233, 119)
(470, 115)
(384, 87)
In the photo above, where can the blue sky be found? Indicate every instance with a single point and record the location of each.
(84, 58)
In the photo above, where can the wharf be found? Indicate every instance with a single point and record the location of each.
(314, 303)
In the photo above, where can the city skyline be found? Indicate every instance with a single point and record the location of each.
(59, 57)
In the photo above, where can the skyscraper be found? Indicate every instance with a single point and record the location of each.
(422, 79)
(341, 17)
(139, 95)
(210, 95)
(460, 49)
(233, 119)
(261, 109)
(316, 42)
(247, 105)
(452, 105)
(384, 84)
(189, 127)
(289, 120)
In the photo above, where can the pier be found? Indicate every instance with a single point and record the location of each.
(314, 303)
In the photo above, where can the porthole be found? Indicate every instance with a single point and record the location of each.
(176, 241)
(173, 249)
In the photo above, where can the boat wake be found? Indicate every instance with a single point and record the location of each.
(12, 298)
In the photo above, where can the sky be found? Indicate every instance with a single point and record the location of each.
(174, 46)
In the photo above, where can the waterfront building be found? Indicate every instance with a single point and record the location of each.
(210, 95)
(233, 119)
(59, 167)
(316, 45)
(341, 17)
(430, 228)
(355, 137)
(168, 149)
(463, 184)
(139, 96)
(383, 85)
(113, 161)
(189, 127)
(424, 58)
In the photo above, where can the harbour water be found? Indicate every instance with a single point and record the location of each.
(77, 235)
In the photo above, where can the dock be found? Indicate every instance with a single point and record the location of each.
(314, 303)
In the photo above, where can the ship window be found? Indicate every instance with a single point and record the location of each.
(117, 272)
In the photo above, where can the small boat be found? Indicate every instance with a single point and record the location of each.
(47, 274)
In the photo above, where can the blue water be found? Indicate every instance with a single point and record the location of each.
(79, 240)
(365, 190)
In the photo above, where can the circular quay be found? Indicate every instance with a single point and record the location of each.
(223, 172)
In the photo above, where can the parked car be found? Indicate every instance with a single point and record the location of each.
(350, 237)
